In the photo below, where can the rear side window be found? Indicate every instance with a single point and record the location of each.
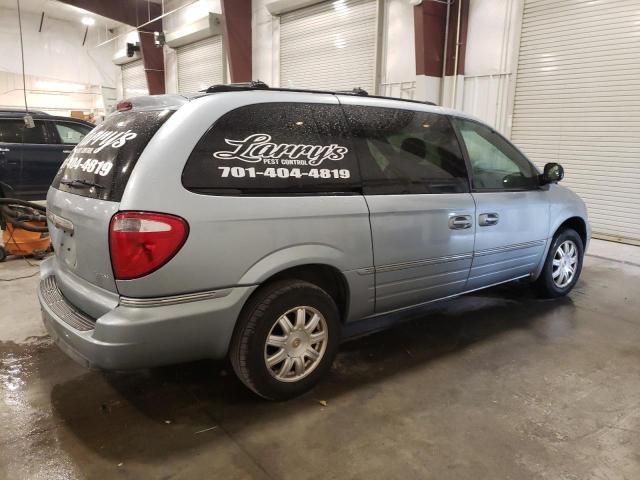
(100, 165)
(274, 148)
(405, 151)
(15, 131)
(71, 133)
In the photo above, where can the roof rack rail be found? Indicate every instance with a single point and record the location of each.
(231, 87)
(356, 91)
(258, 85)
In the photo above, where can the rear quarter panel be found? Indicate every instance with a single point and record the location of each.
(243, 240)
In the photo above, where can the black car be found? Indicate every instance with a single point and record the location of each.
(30, 157)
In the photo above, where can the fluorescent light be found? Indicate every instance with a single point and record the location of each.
(339, 42)
(341, 7)
(88, 21)
(59, 86)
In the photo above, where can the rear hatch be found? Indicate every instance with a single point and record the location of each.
(87, 190)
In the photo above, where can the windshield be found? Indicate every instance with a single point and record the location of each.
(100, 165)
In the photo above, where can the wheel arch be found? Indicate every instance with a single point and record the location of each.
(316, 263)
(575, 222)
(327, 277)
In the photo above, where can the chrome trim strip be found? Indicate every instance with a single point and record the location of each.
(496, 272)
(419, 263)
(60, 222)
(172, 300)
(445, 298)
(508, 248)
(422, 278)
(365, 271)
(415, 290)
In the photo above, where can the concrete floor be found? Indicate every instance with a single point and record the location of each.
(498, 385)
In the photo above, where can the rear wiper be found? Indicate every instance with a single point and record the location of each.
(81, 183)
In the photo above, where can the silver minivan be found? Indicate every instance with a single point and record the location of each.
(263, 224)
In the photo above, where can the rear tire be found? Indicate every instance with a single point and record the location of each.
(562, 266)
(286, 339)
(3, 254)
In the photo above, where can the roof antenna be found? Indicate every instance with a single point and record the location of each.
(28, 118)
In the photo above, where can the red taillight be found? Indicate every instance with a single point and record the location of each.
(124, 106)
(141, 242)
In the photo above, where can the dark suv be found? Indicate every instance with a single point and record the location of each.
(30, 157)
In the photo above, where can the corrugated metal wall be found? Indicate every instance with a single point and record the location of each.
(329, 46)
(578, 103)
(134, 81)
(200, 65)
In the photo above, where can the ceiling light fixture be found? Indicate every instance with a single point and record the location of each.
(49, 85)
(88, 21)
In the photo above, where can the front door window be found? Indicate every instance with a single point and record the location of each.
(495, 163)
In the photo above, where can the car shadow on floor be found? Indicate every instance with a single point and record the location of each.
(148, 413)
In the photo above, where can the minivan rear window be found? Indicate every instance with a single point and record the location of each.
(100, 165)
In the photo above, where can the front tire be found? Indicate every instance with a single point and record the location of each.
(563, 265)
(286, 339)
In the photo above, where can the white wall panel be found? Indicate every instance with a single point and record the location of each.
(330, 46)
(399, 45)
(56, 52)
(200, 65)
(577, 102)
(486, 97)
(490, 62)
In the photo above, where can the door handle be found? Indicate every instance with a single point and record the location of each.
(67, 151)
(5, 149)
(488, 219)
(460, 222)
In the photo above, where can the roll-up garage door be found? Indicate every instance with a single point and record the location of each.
(200, 65)
(329, 46)
(134, 81)
(578, 103)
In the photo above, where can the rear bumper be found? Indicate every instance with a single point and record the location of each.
(129, 337)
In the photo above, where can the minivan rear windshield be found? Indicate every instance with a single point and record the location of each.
(100, 165)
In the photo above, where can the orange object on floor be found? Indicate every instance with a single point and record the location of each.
(23, 243)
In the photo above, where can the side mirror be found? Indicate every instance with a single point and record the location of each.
(553, 173)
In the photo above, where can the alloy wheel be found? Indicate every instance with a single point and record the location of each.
(565, 263)
(296, 344)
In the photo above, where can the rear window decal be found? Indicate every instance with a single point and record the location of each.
(104, 138)
(100, 165)
(259, 148)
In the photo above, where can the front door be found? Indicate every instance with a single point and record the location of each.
(38, 161)
(512, 210)
(10, 155)
(421, 212)
(48, 146)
